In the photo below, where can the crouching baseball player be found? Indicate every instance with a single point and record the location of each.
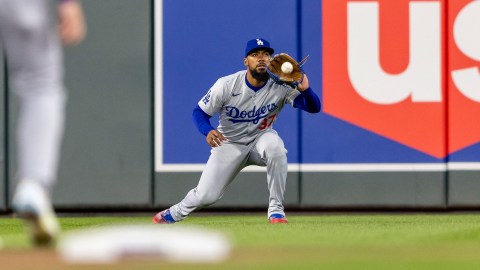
(248, 102)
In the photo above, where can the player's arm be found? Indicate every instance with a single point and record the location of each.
(307, 100)
(202, 122)
(71, 22)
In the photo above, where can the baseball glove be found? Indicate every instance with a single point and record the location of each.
(293, 78)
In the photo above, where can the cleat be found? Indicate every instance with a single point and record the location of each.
(32, 204)
(163, 217)
(277, 218)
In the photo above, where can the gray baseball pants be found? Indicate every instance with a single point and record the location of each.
(227, 161)
(34, 58)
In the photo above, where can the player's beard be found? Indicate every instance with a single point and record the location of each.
(261, 76)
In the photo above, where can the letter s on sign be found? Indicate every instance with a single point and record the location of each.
(466, 36)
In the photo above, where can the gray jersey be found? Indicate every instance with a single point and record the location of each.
(245, 113)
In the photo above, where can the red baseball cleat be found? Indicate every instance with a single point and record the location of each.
(277, 218)
(163, 217)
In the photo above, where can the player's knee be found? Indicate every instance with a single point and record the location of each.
(39, 82)
(275, 148)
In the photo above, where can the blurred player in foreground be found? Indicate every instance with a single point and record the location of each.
(31, 37)
(248, 103)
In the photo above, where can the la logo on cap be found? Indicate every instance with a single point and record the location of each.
(259, 42)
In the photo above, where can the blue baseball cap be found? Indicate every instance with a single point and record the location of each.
(257, 44)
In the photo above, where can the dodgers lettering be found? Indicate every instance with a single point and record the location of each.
(206, 98)
(252, 115)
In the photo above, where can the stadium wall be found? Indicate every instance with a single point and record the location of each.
(130, 141)
(3, 162)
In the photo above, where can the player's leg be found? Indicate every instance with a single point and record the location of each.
(269, 150)
(35, 64)
(224, 163)
(34, 61)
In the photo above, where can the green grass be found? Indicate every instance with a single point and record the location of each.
(341, 241)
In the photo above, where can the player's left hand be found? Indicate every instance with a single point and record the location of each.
(215, 138)
(304, 85)
(71, 25)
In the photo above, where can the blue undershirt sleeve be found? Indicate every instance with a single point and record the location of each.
(202, 120)
(308, 101)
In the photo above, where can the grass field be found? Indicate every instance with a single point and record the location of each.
(323, 241)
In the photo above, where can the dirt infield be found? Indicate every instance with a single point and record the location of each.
(48, 259)
(31, 259)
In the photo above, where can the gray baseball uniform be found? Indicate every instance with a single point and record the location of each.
(246, 119)
(34, 61)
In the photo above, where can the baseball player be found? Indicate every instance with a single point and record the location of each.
(30, 36)
(249, 102)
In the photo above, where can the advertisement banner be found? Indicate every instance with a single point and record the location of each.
(463, 78)
(398, 80)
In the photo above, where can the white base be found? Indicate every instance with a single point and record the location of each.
(172, 243)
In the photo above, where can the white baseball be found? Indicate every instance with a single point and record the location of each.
(287, 67)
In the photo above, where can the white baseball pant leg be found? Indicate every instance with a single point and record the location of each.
(35, 65)
(223, 165)
(269, 150)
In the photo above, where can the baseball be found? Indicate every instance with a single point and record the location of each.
(287, 67)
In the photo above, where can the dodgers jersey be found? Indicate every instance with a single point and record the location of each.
(245, 113)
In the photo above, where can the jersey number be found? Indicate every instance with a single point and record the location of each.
(267, 122)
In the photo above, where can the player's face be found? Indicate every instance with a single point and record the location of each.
(257, 63)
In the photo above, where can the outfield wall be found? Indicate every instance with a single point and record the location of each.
(3, 183)
(398, 80)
